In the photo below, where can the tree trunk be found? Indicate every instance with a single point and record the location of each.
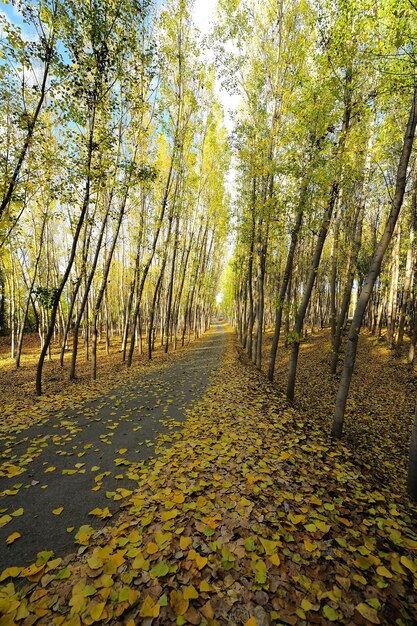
(133, 283)
(171, 287)
(261, 299)
(393, 291)
(84, 301)
(412, 461)
(334, 194)
(410, 263)
(353, 261)
(49, 51)
(106, 270)
(333, 273)
(70, 263)
(251, 317)
(31, 286)
(285, 281)
(299, 321)
(350, 356)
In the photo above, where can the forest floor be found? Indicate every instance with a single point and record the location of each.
(76, 467)
(252, 516)
(23, 407)
(380, 408)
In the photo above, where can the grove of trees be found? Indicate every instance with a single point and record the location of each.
(113, 163)
(114, 204)
(326, 173)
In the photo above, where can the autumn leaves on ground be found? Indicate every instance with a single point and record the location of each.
(249, 515)
(165, 164)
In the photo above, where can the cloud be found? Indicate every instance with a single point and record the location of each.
(204, 14)
(12, 15)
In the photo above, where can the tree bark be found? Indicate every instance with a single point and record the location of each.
(410, 264)
(353, 261)
(393, 290)
(412, 461)
(334, 194)
(299, 320)
(285, 281)
(350, 356)
(31, 286)
(84, 300)
(251, 316)
(171, 287)
(70, 263)
(49, 50)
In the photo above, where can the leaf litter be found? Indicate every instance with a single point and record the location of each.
(381, 403)
(249, 517)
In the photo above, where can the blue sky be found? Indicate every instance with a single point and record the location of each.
(14, 17)
(204, 13)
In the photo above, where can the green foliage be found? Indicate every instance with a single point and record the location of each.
(45, 296)
(293, 337)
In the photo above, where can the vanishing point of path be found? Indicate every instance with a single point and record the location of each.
(87, 458)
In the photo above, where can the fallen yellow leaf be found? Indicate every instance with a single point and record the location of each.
(58, 511)
(185, 542)
(149, 608)
(368, 613)
(151, 548)
(179, 603)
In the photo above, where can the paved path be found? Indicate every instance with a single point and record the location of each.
(102, 444)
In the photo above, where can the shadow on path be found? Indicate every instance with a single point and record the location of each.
(97, 449)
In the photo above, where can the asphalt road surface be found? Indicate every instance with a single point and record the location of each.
(85, 458)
